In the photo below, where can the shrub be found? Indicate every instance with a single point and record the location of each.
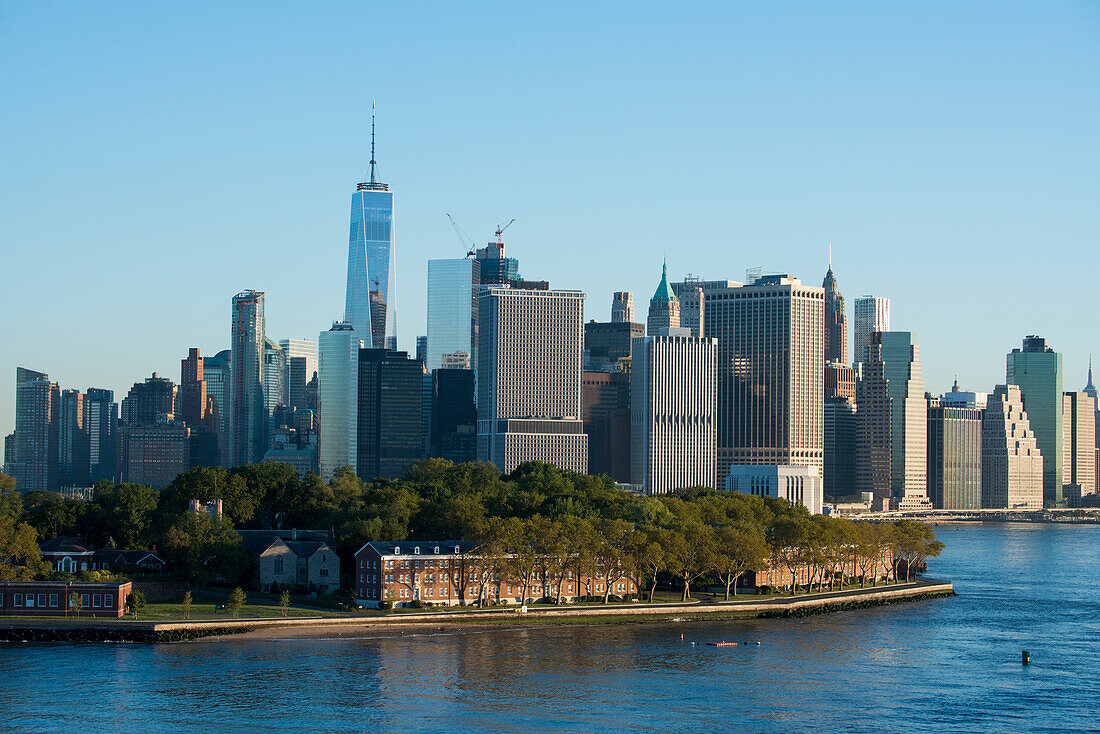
(385, 605)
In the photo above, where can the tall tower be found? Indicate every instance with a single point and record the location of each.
(622, 307)
(1012, 464)
(872, 314)
(247, 414)
(192, 393)
(836, 323)
(664, 307)
(371, 300)
(1037, 369)
(452, 312)
(37, 415)
(338, 374)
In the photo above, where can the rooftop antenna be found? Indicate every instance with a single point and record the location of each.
(372, 161)
(830, 250)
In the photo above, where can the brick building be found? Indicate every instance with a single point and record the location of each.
(53, 598)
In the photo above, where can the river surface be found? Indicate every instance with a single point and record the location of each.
(934, 666)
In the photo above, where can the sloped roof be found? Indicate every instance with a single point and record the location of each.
(63, 545)
(664, 292)
(410, 547)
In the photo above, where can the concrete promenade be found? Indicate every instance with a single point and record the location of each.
(746, 606)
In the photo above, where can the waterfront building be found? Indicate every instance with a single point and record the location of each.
(892, 421)
(605, 410)
(954, 457)
(303, 560)
(215, 370)
(836, 321)
(338, 378)
(247, 410)
(1079, 444)
(673, 406)
(154, 454)
(150, 402)
(54, 598)
(622, 307)
(371, 298)
(839, 450)
(452, 311)
(1037, 370)
(390, 413)
(453, 432)
(101, 422)
(73, 440)
(872, 314)
(530, 344)
(664, 307)
(799, 485)
(36, 442)
(1012, 463)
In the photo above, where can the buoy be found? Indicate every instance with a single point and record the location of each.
(1026, 658)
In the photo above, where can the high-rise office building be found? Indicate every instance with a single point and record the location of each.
(622, 307)
(215, 370)
(1012, 463)
(73, 436)
(1037, 370)
(101, 423)
(605, 407)
(154, 455)
(872, 313)
(338, 378)
(494, 268)
(839, 450)
(693, 292)
(530, 345)
(274, 372)
(300, 357)
(893, 383)
(422, 348)
(371, 298)
(1079, 445)
(664, 307)
(799, 485)
(836, 321)
(770, 370)
(194, 403)
(954, 457)
(453, 432)
(452, 311)
(673, 407)
(959, 398)
(36, 442)
(607, 344)
(247, 410)
(840, 381)
(390, 413)
(151, 402)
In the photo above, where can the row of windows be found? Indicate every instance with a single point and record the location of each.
(50, 601)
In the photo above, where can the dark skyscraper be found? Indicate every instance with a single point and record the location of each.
(101, 422)
(36, 443)
(836, 323)
(605, 406)
(73, 450)
(150, 403)
(390, 413)
(454, 415)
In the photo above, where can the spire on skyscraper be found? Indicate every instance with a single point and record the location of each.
(372, 161)
(1090, 390)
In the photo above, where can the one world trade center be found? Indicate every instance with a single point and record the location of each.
(371, 305)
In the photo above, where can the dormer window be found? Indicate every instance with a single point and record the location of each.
(437, 550)
(416, 550)
(457, 550)
(397, 550)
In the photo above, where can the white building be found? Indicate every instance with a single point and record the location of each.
(673, 412)
(1012, 466)
(799, 485)
(872, 313)
(338, 374)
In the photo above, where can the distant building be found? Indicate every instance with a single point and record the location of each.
(959, 398)
(840, 381)
(215, 371)
(305, 560)
(799, 485)
(494, 267)
(839, 458)
(193, 403)
(605, 404)
(529, 378)
(1079, 444)
(150, 403)
(673, 395)
(274, 374)
(692, 304)
(622, 308)
(452, 311)
(391, 398)
(836, 321)
(872, 314)
(453, 433)
(1012, 464)
(338, 373)
(301, 365)
(35, 458)
(73, 438)
(101, 422)
(664, 307)
(154, 455)
(247, 410)
(954, 457)
(1037, 370)
(607, 344)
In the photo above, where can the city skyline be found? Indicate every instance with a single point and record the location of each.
(975, 223)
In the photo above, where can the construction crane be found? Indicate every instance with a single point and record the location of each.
(471, 248)
(500, 230)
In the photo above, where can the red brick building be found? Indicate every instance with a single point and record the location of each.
(52, 598)
(452, 572)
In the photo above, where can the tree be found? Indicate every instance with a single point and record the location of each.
(11, 503)
(787, 537)
(136, 602)
(690, 553)
(20, 557)
(186, 605)
(284, 601)
(740, 548)
(916, 541)
(643, 557)
(75, 604)
(236, 600)
(125, 514)
(612, 546)
(202, 549)
(867, 552)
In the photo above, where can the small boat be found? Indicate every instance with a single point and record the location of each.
(722, 644)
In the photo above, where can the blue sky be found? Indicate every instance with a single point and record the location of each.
(158, 158)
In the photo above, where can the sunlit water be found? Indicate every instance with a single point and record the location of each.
(943, 665)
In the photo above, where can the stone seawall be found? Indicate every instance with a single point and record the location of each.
(31, 630)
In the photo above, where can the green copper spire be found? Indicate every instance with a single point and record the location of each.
(664, 292)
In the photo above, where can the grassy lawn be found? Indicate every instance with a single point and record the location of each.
(204, 603)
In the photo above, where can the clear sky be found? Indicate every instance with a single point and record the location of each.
(157, 158)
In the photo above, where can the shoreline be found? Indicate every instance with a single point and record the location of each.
(827, 602)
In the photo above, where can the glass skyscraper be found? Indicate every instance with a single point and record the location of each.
(371, 302)
(247, 414)
(452, 310)
(1037, 369)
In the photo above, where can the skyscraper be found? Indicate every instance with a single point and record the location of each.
(673, 406)
(300, 356)
(247, 413)
(1037, 370)
(839, 451)
(150, 403)
(622, 307)
(371, 298)
(836, 322)
(215, 370)
(192, 393)
(872, 314)
(389, 415)
(1012, 464)
(452, 310)
(73, 450)
(954, 457)
(101, 422)
(453, 432)
(274, 374)
(1079, 445)
(529, 378)
(338, 375)
(605, 404)
(664, 307)
(36, 442)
